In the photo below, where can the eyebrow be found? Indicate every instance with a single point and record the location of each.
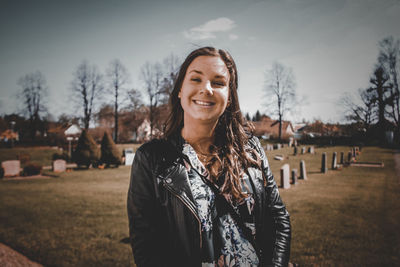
(199, 72)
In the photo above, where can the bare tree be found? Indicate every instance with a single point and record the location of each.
(379, 92)
(170, 68)
(389, 57)
(87, 87)
(134, 97)
(33, 94)
(359, 112)
(118, 77)
(152, 76)
(280, 89)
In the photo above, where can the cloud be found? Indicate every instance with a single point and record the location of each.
(233, 36)
(208, 29)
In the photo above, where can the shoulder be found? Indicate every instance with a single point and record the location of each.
(157, 153)
(254, 143)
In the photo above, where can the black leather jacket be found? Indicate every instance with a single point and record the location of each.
(164, 227)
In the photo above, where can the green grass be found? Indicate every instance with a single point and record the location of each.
(349, 217)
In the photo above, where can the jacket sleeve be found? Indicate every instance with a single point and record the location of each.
(141, 206)
(280, 215)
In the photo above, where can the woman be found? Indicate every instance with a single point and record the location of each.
(204, 195)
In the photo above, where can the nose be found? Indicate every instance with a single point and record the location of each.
(207, 89)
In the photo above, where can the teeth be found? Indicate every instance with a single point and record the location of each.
(203, 103)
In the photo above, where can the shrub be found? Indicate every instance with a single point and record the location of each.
(32, 168)
(109, 151)
(63, 156)
(86, 152)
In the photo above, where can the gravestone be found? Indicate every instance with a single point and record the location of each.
(303, 150)
(279, 157)
(341, 158)
(354, 154)
(349, 155)
(303, 172)
(129, 159)
(295, 150)
(59, 165)
(334, 161)
(311, 150)
(285, 179)
(11, 167)
(294, 176)
(324, 166)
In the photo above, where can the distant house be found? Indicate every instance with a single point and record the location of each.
(58, 133)
(269, 128)
(8, 135)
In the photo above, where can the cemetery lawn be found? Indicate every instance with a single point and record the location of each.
(348, 217)
(43, 155)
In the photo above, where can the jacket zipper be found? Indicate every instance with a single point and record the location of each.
(190, 208)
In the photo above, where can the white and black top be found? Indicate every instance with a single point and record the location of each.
(224, 244)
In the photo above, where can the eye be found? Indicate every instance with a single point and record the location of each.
(219, 83)
(196, 80)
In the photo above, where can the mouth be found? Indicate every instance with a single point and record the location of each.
(204, 103)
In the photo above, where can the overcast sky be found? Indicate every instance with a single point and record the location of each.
(331, 46)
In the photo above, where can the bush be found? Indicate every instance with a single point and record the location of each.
(86, 152)
(32, 168)
(63, 156)
(1, 172)
(109, 151)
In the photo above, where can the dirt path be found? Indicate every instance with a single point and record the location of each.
(11, 258)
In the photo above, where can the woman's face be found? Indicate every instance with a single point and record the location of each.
(205, 90)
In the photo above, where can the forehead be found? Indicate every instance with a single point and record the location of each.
(209, 65)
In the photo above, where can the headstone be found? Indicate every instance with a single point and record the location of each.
(285, 179)
(303, 172)
(341, 158)
(354, 154)
(349, 156)
(129, 159)
(11, 167)
(279, 157)
(294, 176)
(59, 165)
(311, 150)
(324, 166)
(295, 150)
(334, 161)
(303, 150)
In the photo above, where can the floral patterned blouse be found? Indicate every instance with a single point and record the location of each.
(224, 244)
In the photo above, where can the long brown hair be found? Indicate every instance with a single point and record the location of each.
(230, 155)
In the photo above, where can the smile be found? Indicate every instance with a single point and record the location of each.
(203, 103)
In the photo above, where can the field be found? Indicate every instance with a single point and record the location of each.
(348, 217)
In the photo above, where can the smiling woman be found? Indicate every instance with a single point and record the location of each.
(204, 195)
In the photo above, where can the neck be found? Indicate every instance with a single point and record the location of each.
(199, 136)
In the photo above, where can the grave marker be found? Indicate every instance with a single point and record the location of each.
(334, 163)
(294, 176)
(285, 179)
(324, 166)
(303, 150)
(341, 158)
(59, 165)
(303, 172)
(11, 167)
